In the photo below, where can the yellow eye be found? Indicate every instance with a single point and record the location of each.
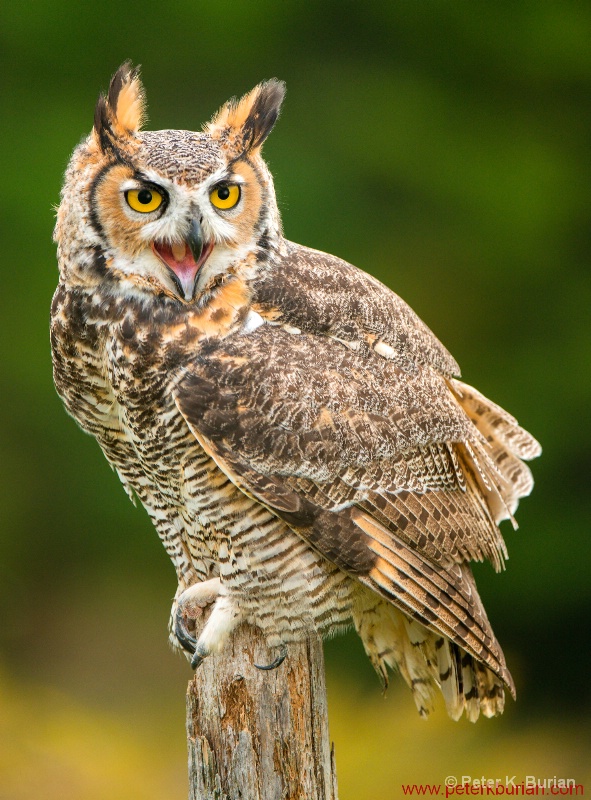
(225, 196)
(144, 200)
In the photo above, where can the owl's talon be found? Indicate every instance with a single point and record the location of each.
(199, 656)
(190, 605)
(185, 639)
(277, 662)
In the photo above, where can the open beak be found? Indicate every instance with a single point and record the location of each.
(185, 259)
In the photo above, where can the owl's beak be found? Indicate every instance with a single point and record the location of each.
(184, 260)
(195, 239)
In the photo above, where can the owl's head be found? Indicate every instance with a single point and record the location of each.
(168, 212)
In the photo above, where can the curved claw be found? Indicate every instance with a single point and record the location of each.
(198, 657)
(277, 662)
(187, 641)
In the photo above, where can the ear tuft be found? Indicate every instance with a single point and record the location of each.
(121, 113)
(126, 98)
(250, 120)
(265, 110)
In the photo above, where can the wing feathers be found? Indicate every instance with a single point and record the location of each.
(346, 303)
(398, 476)
(447, 526)
(445, 601)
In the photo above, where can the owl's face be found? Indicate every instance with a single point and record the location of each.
(169, 212)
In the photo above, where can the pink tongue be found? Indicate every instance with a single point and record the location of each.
(185, 270)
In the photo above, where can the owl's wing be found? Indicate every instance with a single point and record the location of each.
(320, 293)
(379, 469)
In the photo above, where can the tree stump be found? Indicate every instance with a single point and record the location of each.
(260, 735)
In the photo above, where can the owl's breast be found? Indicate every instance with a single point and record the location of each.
(117, 363)
(78, 345)
(113, 369)
(142, 366)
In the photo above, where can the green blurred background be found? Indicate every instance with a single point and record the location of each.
(442, 146)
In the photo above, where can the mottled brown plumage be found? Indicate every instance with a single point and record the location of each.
(294, 430)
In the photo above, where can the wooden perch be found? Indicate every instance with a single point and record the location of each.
(257, 735)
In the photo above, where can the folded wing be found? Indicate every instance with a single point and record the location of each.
(397, 476)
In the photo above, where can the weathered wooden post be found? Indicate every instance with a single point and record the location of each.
(257, 735)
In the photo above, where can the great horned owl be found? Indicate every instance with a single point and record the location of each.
(294, 430)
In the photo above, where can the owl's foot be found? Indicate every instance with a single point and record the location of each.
(276, 662)
(224, 617)
(190, 605)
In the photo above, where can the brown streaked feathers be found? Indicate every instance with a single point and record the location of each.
(332, 428)
(296, 433)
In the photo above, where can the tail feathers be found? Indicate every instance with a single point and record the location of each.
(496, 459)
(428, 662)
(382, 630)
(467, 685)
